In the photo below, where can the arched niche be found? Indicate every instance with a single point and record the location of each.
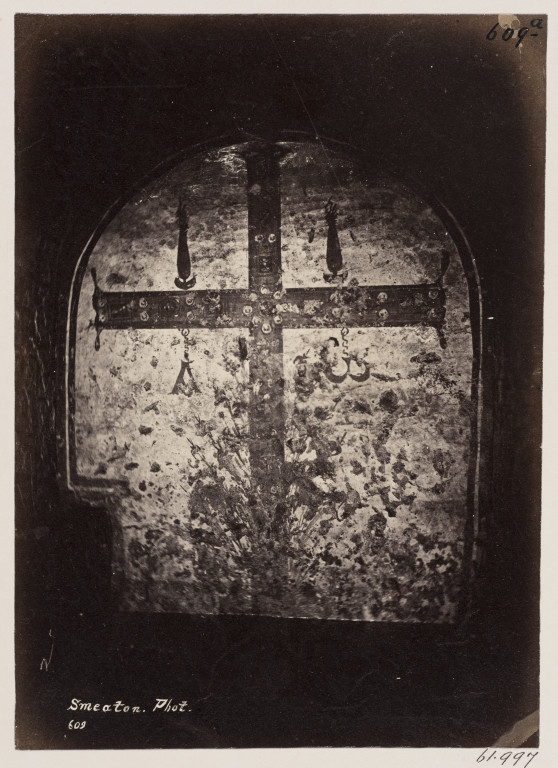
(296, 434)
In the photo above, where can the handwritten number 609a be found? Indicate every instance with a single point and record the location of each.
(508, 33)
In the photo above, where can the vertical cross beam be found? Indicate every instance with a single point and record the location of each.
(267, 413)
(264, 216)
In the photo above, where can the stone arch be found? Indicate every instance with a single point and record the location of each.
(376, 525)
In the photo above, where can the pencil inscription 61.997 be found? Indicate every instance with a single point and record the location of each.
(516, 758)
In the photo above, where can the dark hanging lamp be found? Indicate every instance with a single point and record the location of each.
(334, 258)
(183, 260)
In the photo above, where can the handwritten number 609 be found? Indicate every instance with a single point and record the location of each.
(75, 725)
(508, 34)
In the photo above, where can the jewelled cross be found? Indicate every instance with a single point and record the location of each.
(265, 308)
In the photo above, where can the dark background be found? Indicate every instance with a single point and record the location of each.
(100, 100)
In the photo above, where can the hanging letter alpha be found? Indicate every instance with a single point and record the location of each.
(182, 387)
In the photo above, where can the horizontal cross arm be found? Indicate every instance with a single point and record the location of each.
(360, 306)
(169, 309)
(364, 306)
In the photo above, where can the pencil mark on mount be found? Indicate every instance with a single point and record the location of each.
(44, 663)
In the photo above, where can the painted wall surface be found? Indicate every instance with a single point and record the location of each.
(372, 523)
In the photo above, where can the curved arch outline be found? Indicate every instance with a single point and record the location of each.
(103, 487)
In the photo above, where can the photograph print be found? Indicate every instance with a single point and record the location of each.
(278, 380)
